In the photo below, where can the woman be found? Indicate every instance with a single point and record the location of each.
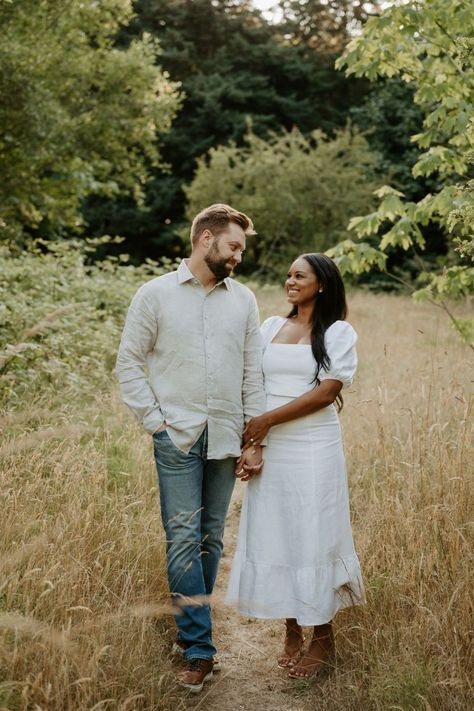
(295, 556)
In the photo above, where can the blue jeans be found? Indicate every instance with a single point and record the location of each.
(194, 496)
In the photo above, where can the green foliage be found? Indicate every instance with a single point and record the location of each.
(356, 257)
(61, 318)
(424, 43)
(300, 192)
(388, 117)
(232, 65)
(324, 24)
(78, 116)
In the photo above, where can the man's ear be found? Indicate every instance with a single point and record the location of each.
(206, 238)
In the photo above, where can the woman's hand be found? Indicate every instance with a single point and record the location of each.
(256, 430)
(249, 464)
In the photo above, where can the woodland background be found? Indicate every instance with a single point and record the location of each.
(338, 126)
(111, 111)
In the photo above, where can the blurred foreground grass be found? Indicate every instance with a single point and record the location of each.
(83, 606)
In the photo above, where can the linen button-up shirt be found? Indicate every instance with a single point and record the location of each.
(192, 358)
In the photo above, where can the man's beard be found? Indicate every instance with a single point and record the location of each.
(216, 264)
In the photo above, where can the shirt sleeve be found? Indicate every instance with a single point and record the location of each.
(138, 339)
(340, 341)
(253, 397)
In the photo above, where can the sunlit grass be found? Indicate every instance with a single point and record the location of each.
(83, 599)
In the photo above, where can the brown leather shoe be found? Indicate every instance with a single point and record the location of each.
(197, 672)
(178, 649)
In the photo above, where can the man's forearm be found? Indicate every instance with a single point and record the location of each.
(138, 338)
(137, 394)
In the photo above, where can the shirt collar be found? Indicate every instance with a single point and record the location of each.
(185, 274)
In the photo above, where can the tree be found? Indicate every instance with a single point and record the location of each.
(232, 64)
(425, 44)
(388, 117)
(299, 191)
(78, 115)
(325, 25)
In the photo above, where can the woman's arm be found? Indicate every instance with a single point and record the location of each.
(321, 396)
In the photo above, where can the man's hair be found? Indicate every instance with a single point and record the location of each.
(216, 218)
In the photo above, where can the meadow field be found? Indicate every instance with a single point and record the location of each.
(338, 127)
(84, 617)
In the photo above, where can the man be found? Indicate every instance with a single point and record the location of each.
(189, 367)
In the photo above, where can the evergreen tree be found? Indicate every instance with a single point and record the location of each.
(233, 65)
(325, 25)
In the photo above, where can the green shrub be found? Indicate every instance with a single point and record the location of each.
(61, 317)
(299, 191)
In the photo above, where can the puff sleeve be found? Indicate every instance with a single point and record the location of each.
(340, 341)
(269, 328)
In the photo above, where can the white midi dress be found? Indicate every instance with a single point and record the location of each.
(295, 555)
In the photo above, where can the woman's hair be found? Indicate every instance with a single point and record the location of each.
(329, 306)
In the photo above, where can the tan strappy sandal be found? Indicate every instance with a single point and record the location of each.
(292, 647)
(319, 657)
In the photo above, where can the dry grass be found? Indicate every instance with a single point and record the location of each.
(408, 431)
(83, 621)
(82, 596)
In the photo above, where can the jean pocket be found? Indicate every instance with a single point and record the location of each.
(162, 434)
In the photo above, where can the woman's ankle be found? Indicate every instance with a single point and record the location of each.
(321, 632)
(293, 626)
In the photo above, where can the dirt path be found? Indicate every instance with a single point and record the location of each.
(247, 649)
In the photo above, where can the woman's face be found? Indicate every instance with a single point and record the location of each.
(301, 284)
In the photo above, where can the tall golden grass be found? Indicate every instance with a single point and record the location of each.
(83, 605)
(408, 432)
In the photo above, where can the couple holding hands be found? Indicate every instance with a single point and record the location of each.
(226, 399)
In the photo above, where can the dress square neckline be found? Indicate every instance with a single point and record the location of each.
(285, 344)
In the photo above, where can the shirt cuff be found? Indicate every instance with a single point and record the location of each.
(153, 420)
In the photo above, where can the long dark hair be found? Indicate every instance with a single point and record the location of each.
(329, 306)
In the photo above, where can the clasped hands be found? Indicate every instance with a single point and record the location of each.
(250, 462)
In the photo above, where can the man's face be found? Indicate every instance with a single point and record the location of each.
(225, 252)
